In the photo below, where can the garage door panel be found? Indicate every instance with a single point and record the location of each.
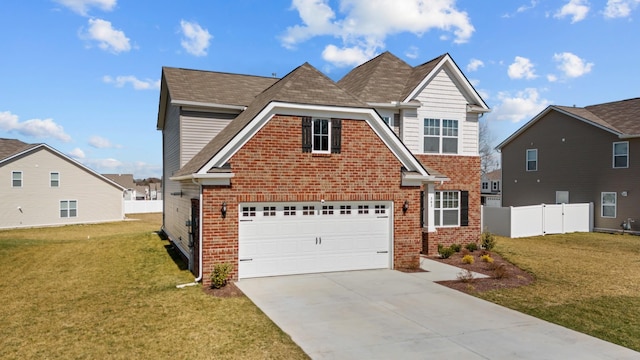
(279, 239)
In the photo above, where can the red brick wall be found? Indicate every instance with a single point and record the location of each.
(272, 167)
(464, 172)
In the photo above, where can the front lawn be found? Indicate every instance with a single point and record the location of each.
(109, 291)
(589, 282)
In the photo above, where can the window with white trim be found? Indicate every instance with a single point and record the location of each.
(485, 185)
(248, 211)
(495, 185)
(447, 208)
(54, 179)
(308, 210)
(609, 201)
(327, 209)
(269, 211)
(345, 209)
(289, 211)
(363, 209)
(380, 209)
(440, 136)
(532, 159)
(321, 130)
(68, 208)
(16, 178)
(620, 154)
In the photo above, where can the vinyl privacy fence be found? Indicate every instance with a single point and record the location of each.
(535, 220)
(142, 206)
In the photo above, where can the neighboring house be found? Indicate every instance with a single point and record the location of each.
(126, 181)
(303, 174)
(491, 188)
(578, 155)
(43, 187)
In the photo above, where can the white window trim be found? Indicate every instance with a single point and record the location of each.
(613, 154)
(21, 179)
(440, 209)
(615, 204)
(313, 137)
(51, 179)
(68, 202)
(526, 164)
(441, 135)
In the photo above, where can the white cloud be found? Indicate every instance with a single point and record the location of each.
(571, 65)
(108, 38)
(36, 128)
(196, 39)
(521, 68)
(121, 81)
(77, 154)
(99, 142)
(412, 52)
(552, 78)
(577, 9)
(524, 8)
(474, 65)
(620, 8)
(82, 6)
(346, 56)
(365, 24)
(523, 105)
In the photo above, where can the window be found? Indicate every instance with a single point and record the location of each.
(248, 211)
(68, 208)
(321, 134)
(440, 136)
(308, 210)
(609, 204)
(621, 154)
(495, 185)
(327, 209)
(363, 209)
(16, 179)
(485, 185)
(269, 211)
(447, 208)
(54, 179)
(562, 197)
(345, 209)
(380, 209)
(532, 159)
(289, 211)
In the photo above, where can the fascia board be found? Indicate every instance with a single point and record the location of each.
(198, 104)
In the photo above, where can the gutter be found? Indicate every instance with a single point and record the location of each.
(207, 105)
(195, 177)
(629, 136)
(395, 105)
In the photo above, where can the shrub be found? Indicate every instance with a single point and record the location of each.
(220, 275)
(467, 259)
(472, 247)
(445, 252)
(488, 240)
(500, 272)
(456, 247)
(486, 258)
(465, 276)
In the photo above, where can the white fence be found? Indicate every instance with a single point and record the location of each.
(537, 220)
(142, 206)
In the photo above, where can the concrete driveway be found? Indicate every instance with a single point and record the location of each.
(386, 314)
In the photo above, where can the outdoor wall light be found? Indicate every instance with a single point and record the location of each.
(223, 209)
(405, 206)
(624, 193)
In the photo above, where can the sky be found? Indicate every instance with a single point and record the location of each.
(83, 76)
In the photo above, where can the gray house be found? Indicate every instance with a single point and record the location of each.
(39, 186)
(578, 155)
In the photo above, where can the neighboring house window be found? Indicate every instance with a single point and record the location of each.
(621, 154)
(495, 185)
(609, 200)
(532, 159)
(321, 135)
(562, 197)
(16, 179)
(68, 208)
(54, 179)
(440, 136)
(485, 185)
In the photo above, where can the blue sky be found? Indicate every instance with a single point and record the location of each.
(83, 75)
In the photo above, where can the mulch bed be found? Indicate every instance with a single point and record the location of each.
(228, 291)
(508, 276)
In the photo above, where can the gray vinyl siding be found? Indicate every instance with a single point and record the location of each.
(197, 130)
(576, 157)
(36, 203)
(176, 213)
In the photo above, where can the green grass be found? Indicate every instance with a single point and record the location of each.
(109, 291)
(589, 282)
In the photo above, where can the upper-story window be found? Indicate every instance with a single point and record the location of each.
(485, 185)
(532, 159)
(321, 129)
(495, 185)
(621, 154)
(16, 178)
(440, 136)
(54, 179)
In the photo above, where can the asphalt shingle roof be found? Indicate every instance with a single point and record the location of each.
(620, 116)
(9, 147)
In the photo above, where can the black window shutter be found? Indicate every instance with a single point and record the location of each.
(306, 134)
(336, 135)
(464, 208)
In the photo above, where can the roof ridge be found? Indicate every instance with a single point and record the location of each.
(218, 72)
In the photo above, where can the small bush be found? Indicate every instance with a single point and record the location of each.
(465, 276)
(467, 259)
(500, 272)
(472, 247)
(488, 240)
(456, 247)
(220, 275)
(486, 258)
(445, 252)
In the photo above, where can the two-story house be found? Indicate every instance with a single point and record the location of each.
(303, 174)
(42, 187)
(491, 188)
(569, 154)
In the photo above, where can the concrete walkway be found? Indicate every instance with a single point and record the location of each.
(386, 314)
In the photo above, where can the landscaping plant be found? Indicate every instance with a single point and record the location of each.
(220, 275)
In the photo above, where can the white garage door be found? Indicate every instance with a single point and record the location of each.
(299, 238)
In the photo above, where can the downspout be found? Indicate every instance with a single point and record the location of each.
(199, 278)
